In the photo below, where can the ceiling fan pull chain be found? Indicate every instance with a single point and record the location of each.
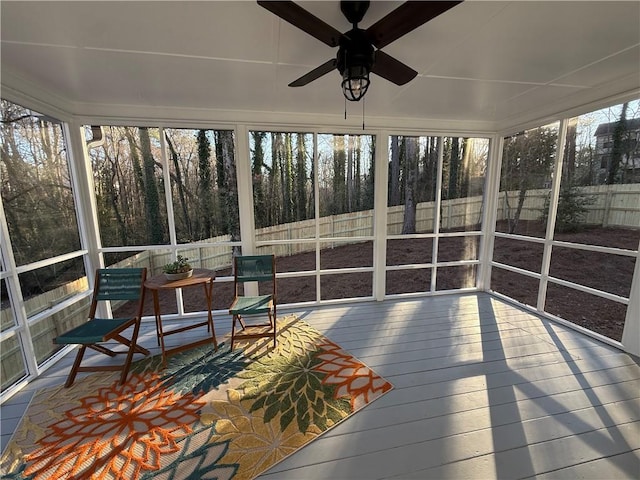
(363, 100)
(345, 108)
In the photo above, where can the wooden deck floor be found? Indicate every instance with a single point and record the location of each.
(482, 389)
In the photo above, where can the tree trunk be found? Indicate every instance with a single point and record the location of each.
(339, 179)
(394, 172)
(152, 198)
(411, 167)
(257, 180)
(275, 187)
(357, 175)
(569, 162)
(454, 165)
(522, 195)
(350, 193)
(179, 186)
(287, 178)
(301, 179)
(619, 133)
(465, 169)
(136, 196)
(205, 184)
(230, 185)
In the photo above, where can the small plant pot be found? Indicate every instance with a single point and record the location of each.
(178, 276)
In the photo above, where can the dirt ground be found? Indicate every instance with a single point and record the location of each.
(611, 273)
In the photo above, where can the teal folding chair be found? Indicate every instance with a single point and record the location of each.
(110, 284)
(260, 269)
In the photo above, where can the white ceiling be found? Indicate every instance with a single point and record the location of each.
(483, 63)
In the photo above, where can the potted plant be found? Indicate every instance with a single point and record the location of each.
(179, 269)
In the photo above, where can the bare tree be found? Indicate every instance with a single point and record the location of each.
(258, 180)
(394, 172)
(151, 194)
(206, 212)
(526, 164)
(619, 134)
(411, 167)
(301, 177)
(339, 200)
(180, 185)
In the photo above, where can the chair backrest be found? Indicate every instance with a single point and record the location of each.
(120, 283)
(254, 268)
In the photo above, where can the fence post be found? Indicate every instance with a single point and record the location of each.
(607, 207)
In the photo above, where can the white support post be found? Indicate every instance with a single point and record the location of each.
(86, 208)
(631, 332)
(168, 199)
(551, 219)
(436, 214)
(245, 190)
(381, 181)
(492, 190)
(245, 198)
(166, 177)
(316, 206)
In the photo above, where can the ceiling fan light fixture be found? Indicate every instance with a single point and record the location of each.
(355, 82)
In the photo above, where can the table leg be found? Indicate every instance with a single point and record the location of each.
(156, 310)
(156, 313)
(208, 292)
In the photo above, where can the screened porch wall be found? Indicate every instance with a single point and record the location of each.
(380, 230)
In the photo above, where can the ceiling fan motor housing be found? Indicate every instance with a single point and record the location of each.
(355, 51)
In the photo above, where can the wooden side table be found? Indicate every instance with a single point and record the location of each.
(200, 276)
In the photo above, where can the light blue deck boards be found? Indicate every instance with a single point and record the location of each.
(482, 389)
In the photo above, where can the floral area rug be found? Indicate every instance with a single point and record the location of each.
(208, 415)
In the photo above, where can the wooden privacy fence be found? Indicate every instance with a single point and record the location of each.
(212, 257)
(613, 205)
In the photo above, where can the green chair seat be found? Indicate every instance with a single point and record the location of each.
(94, 331)
(252, 305)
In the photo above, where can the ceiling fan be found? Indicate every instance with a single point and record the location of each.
(359, 50)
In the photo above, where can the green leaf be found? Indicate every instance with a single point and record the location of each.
(315, 382)
(271, 412)
(303, 404)
(320, 421)
(312, 394)
(283, 386)
(286, 418)
(286, 402)
(304, 420)
(271, 399)
(318, 406)
(258, 404)
(338, 410)
(300, 383)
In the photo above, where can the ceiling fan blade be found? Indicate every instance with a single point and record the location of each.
(393, 70)
(305, 21)
(405, 18)
(315, 73)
